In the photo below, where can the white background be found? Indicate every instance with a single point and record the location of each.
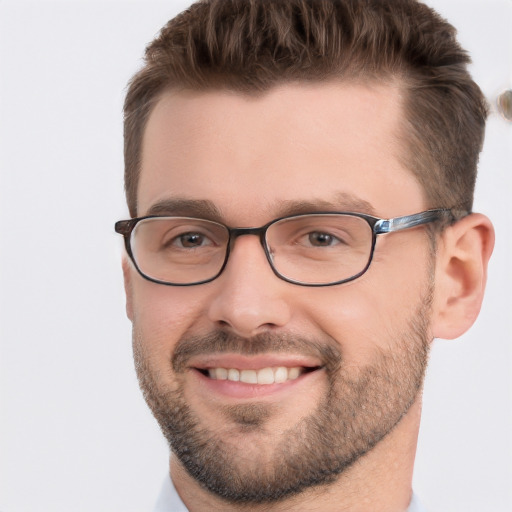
(75, 434)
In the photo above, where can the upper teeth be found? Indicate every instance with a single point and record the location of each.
(263, 376)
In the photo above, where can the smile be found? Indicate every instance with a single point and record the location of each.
(235, 377)
(275, 375)
(238, 376)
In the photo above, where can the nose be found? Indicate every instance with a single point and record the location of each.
(250, 298)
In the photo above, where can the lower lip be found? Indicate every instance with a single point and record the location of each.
(241, 390)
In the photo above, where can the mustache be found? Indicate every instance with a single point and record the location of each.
(222, 342)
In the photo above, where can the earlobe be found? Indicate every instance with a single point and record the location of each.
(463, 254)
(128, 287)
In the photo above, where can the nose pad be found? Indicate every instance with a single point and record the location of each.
(250, 298)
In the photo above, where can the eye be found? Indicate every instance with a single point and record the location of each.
(322, 239)
(190, 240)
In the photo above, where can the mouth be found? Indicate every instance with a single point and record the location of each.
(262, 376)
(245, 377)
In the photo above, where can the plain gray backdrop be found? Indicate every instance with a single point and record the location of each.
(75, 434)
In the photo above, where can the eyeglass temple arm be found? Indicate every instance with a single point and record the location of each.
(123, 227)
(410, 221)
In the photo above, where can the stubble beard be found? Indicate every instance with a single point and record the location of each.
(361, 406)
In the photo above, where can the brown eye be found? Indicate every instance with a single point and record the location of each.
(191, 240)
(319, 239)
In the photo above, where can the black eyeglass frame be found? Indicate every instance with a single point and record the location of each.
(377, 225)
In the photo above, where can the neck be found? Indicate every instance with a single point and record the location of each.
(380, 480)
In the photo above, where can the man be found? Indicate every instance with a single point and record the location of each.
(300, 178)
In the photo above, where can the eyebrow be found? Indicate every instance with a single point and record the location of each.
(342, 202)
(179, 207)
(206, 209)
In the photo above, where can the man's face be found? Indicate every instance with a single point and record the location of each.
(360, 348)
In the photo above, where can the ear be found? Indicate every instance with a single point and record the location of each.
(463, 253)
(127, 274)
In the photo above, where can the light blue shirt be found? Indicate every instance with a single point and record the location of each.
(169, 500)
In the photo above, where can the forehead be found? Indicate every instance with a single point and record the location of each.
(250, 155)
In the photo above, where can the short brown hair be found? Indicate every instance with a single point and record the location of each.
(252, 45)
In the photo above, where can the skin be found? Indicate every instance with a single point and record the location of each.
(337, 147)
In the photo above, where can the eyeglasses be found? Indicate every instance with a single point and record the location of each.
(315, 249)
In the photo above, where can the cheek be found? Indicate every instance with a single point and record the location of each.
(375, 310)
(162, 314)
